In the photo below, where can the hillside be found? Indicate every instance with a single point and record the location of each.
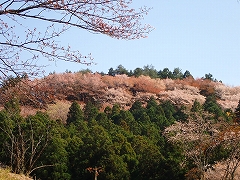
(129, 127)
(119, 89)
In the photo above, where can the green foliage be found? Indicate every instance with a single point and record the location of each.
(108, 111)
(74, 144)
(126, 144)
(96, 149)
(56, 154)
(196, 107)
(137, 110)
(156, 114)
(28, 139)
(149, 158)
(115, 113)
(115, 168)
(138, 72)
(165, 73)
(13, 106)
(121, 70)
(127, 117)
(212, 106)
(209, 76)
(103, 120)
(171, 165)
(75, 114)
(111, 146)
(150, 71)
(180, 114)
(111, 72)
(187, 74)
(151, 103)
(169, 110)
(118, 71)
(177, 73)
(5, 122)
(83, 71)
(90, 111)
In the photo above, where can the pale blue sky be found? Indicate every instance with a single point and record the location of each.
(202, 36)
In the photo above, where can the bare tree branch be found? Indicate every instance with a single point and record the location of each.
(110, 17)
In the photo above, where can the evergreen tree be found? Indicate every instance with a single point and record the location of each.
(209, 76)
(149, 158)
(121, 70)
(57, 154)
(108, 111)
(196, 107)
(152, 103)
(177, 73)
(115, 114)
(138, 72)
(137, 109)
(126, 118)
(165, 73)
(187, 74)
(13, 106)
(75, 114)
(180, 114)
(4, 138)
(28, 138)
(212, 106)
(150, 71)
(144, 118)
(169, 110)
(104, 121)
(90, 111)
(111, 72)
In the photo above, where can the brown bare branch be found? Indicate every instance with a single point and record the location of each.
(110, 17)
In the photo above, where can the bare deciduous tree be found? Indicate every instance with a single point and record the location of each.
(26, 141)
(29, 29)
(230, 139)
(197, 140)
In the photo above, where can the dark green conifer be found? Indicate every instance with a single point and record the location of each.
(75, 113)
(13, 106)
(90, 111)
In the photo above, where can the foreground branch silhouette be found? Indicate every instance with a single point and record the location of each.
(29, 29)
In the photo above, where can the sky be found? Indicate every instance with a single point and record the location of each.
(201, 36)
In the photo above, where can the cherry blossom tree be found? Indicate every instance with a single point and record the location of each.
(230, 139)
(197, 139)
(29, 30)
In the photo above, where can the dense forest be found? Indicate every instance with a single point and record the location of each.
(142, 124)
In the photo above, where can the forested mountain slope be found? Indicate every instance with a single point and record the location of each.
(120, 89)
(64, 126)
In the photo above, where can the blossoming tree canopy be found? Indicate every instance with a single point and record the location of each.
(31, 27)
